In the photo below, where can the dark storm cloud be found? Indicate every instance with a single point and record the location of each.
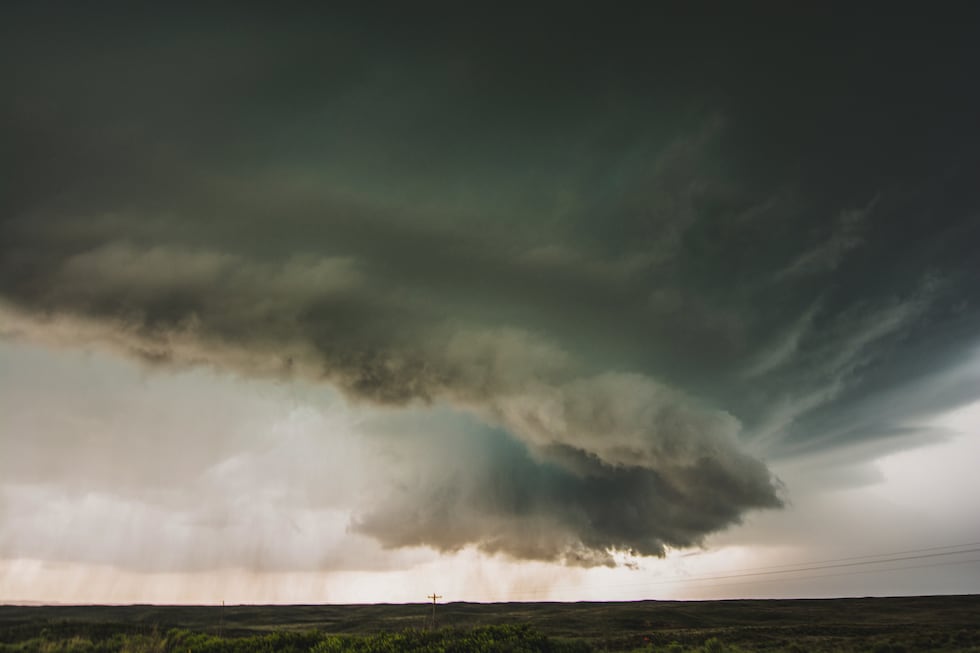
(638, 244)
(559, 504)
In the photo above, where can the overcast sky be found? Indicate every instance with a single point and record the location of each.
(552, 303)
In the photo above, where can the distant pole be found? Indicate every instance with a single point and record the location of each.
(433, 596)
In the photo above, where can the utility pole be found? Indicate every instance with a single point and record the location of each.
(433, 596)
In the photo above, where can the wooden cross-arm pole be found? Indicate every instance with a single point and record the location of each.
(434, 596)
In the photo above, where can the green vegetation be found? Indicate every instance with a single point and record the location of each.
(899, 625)
(488, 639)
(514, 639)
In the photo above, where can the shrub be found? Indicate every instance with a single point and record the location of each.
(715, 645)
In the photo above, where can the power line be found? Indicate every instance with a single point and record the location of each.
(775, 580)
(839, 565)
(433, 596)
(849, 573)
(847, 562)
(870, 555)
(786, 569)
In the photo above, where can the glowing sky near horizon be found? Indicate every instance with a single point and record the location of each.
(579, 304)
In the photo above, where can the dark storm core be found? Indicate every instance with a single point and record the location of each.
(649, 248)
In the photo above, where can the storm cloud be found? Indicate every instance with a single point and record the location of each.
(645, 253)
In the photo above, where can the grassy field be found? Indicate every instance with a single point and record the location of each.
(944, 623)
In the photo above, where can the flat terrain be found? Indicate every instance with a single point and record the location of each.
(905, 623)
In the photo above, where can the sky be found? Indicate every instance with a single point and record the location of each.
(551, 302)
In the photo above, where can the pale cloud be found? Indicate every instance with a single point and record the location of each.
(827, 256)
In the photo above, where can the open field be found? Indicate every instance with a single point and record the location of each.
(942, 623)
